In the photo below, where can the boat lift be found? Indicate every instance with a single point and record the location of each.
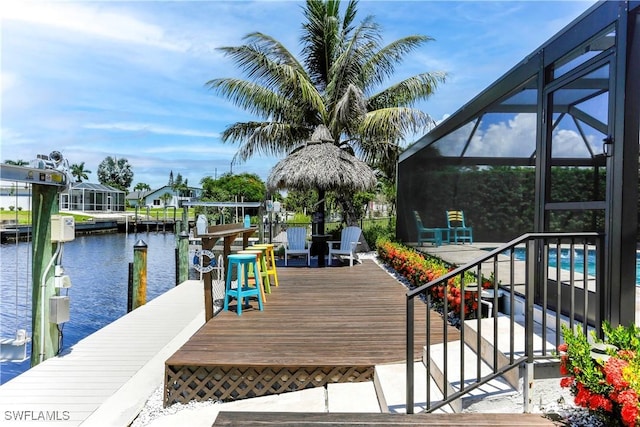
(45, 173)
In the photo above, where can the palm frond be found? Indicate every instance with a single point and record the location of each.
(390, 124)
(352, 104)
(408, 91)
(250, 96)
(382, 64)
(268, 138)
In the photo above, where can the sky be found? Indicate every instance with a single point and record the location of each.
(127, 79)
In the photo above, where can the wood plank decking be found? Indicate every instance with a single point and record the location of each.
(291, 419)
(106, 378)
(321, 325)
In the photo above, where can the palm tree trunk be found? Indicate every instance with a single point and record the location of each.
(350, 215)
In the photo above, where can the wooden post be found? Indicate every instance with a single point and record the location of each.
(207, 279)
(182, 266)
(130, 289)
(139, 274)
(44, 338)
(185, 219)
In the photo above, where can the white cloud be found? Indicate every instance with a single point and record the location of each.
(200, 149)
(151, 128)
(7, 81)
(513, 138)
(90, 21)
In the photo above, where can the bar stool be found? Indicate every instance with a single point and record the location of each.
(270, 260)
(262, 270)
(243, 290)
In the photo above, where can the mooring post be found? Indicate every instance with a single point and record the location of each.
(139, 291)
(185, 218)
(45, 342)
(182, 261)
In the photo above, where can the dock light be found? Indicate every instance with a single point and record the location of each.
(56, 158)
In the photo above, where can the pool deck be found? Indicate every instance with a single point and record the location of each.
(461, 254)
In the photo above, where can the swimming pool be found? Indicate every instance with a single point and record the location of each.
(565, 260)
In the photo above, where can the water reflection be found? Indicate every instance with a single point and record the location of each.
(98, 268)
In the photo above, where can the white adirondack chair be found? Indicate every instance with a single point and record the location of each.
(349, 241)
(296, 244)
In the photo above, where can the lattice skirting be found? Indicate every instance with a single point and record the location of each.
(200, 383)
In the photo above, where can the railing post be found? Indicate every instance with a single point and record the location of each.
(531, 268)
(410, 345)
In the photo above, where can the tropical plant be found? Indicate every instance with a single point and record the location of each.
(115, 173)
(165, 198)
(79, 172)
(419, 270)
(301, 201)
(338, 82)
(604, 376)
(142, 186)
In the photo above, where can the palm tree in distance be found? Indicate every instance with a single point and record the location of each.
(339, 83)
(79, 172)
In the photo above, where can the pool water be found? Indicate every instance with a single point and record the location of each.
(565, 260)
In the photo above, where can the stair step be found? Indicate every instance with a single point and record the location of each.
(390, 381)
(505, 335)
(453, 380)
(353, 397)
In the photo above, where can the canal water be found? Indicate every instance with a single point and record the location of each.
(98, 267)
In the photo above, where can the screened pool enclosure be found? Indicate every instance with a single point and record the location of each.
(552, 146)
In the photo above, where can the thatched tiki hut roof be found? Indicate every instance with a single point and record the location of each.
(320, 164)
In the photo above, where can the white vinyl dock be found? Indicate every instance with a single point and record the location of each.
(106, 378)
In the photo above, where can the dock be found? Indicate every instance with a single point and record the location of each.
(106, 378)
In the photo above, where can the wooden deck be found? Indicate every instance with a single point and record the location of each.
(320, 326)
(291, 419)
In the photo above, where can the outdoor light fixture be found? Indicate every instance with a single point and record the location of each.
(607, 146)
(53, 161)
(56, 161)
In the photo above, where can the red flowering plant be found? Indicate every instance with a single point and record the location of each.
(418, 270)
(604, 376)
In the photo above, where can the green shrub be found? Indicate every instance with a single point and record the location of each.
(376, 232)
(299, 218)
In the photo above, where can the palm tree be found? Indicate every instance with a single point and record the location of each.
(79, 172)
(142, 186)
(338, 83)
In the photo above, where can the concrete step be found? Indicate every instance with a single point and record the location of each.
(509, 340)
(390, 382)
(352, 397)
(459, 356)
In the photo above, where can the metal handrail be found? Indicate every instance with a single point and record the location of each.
(555, 303)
